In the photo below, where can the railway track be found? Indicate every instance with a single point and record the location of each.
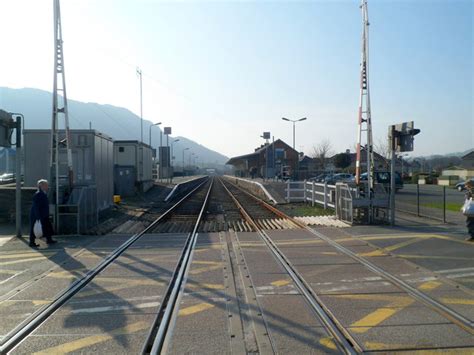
(176, 212)
(247, 203)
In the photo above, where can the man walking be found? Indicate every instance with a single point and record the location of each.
(470, 219)
(40, 211)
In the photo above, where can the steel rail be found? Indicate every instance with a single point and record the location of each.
(343, 339)
(20, 332)
(442, 309)
(159, 330)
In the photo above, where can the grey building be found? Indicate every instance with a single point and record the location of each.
(133, 158)
(92, 155)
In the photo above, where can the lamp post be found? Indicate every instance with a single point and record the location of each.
(153, 124)
(183, 158)
(294, 122)
(139, 73)
(174, 141)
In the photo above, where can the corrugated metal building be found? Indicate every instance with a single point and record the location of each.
(137, 155)
(92, 154)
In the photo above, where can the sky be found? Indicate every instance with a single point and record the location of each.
(223, 72)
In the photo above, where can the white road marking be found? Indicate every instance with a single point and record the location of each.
(11, 277)
(4, 240)
(115, 308)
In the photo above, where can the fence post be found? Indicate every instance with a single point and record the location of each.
(418, 200)
(304, 192)
(288, 192)
(444, 204)
(325, 195)
(312, 196)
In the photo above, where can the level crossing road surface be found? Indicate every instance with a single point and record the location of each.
(239, 295)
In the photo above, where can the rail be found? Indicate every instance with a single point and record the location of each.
(159, 331)
(344, 340)
(442, 309)
(24, 329)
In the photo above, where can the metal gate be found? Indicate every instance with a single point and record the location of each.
(344, 210)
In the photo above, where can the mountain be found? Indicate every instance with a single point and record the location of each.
(116, 122)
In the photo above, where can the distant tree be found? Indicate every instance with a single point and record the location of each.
(382, 148)
(321, 152)
(342, 160)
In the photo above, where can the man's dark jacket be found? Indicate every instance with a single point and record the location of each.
(40, 210)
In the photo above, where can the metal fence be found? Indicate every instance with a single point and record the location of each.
(80, 214)
(441, 203)
(316, 193)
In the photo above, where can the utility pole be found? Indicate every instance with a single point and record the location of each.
(365, 118)
(59, 108)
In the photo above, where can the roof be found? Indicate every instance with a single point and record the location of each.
(468, 155)
(256, 152)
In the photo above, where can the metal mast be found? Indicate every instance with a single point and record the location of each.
(365, 119)
(59, 110)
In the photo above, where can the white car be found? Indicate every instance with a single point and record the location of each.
(7, 178)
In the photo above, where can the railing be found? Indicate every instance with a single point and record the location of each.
(310, 191)
(80, 212)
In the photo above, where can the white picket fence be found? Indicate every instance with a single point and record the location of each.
(310, 191)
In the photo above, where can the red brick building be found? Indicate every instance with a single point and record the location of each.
(267, 161)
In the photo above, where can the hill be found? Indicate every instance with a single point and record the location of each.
(117, 122)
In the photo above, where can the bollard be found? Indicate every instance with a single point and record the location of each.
(418, 200)
(444, 204)
(312, 197)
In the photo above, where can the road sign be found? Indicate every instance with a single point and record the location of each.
(167, 130)
(266, 135)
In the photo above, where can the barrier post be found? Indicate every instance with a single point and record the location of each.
(325, 195)
(312, 197)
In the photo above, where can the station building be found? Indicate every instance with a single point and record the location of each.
(270, 160)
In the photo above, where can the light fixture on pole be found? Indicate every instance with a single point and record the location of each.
(183, 158)
(174, 141)
(294, 122)
(139, 73)
(153, 124)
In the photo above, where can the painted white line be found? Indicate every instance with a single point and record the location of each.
(448, 271)
(4, 240)
(115, 308)
(11, 277)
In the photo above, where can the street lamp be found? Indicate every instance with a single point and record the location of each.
(176, 140)
(294, 122)
(153, 124)
(183, 158)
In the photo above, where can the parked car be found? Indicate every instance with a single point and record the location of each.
(383, 177)
(460, 186)
(319, 178)
(333, 179)
(7, 178)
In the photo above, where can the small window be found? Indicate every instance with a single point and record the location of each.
(121, 149)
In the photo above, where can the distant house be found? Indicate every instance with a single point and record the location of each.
(268, 160)
(468, 160)
(458, 173)
(380, 163)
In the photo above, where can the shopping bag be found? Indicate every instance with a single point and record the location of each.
(38, 229)
(468, 208)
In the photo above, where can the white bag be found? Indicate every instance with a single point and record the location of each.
(38, 229)
(468, 208)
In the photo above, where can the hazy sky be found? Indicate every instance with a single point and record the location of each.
(222, 72)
